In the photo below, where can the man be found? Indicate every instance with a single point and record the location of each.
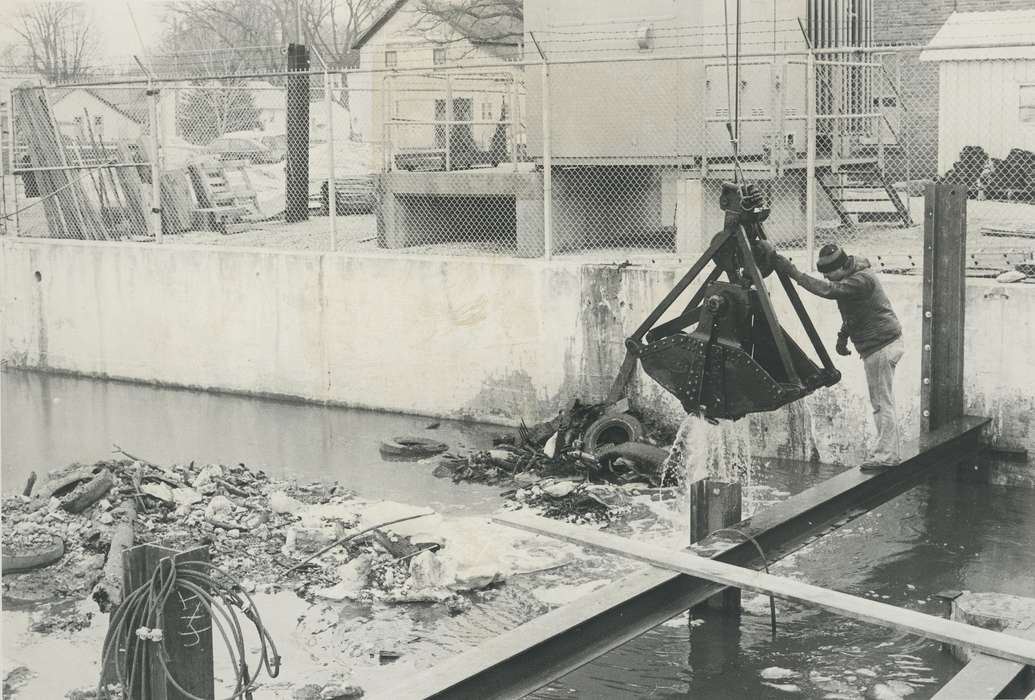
(871, 323)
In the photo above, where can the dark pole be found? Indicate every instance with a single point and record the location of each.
(297, 205)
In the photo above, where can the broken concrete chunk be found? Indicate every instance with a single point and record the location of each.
(207, 474)
(310, 539)
(280, 502)
(428, 571)
(474, 578)
(219, 505)
(559, 489)
(352, 579)
(158, 490)
(186, 496)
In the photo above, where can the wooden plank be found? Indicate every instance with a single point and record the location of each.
(518, 662)
(984, 677)
(909, 621)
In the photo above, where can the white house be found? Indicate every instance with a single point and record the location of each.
(113, 113)
(986, 92)
(412, 100)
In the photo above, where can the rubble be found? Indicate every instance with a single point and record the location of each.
(565, 467)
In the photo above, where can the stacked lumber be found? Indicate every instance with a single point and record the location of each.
(69, 211)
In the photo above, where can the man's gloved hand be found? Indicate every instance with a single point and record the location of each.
(751, 197)
(842, 346)
(782, 264)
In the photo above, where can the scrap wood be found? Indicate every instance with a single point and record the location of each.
(27, 491)
(108, 591)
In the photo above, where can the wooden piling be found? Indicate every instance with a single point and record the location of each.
(944, 300)
(714, 505)
(186, 627)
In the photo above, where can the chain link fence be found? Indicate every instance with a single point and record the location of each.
(598, 158)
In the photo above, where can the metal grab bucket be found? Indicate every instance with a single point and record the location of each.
(729, 365)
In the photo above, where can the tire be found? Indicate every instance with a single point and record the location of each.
(408, 447)
(612, 429)
(43, 556)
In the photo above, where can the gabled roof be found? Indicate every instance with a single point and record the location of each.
(378, 23)
(1007, 34)
(129, 102)
(485, 29)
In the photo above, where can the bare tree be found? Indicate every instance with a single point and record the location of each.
(329, 26)
(488, 21)
(59, 38)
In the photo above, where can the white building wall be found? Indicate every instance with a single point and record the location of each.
(114, 126)
(413, 98)
(979, 105)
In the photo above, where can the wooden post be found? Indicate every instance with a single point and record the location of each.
(186, 626)
(945, 251)
(715, 505)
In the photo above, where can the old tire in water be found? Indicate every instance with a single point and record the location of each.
(36, 559)
(408, 447)
(612, 429)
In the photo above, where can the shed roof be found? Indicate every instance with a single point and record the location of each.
(1008, 34)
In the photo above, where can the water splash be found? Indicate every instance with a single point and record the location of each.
(704, 450)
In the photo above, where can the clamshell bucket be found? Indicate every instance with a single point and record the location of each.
(727, 355)
(729, 365)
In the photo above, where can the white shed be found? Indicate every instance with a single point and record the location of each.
(986, 83)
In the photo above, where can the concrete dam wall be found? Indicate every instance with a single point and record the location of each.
(497, 340)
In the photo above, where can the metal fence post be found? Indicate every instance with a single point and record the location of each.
(11, 160)
(810, 160)
(547, 167)
(450, 119)
(156, 168)
(332, 191)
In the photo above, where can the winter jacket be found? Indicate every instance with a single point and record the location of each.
(866, 314)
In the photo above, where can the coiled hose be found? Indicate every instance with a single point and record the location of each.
(137, 625)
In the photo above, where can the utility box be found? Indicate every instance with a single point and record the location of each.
(673, 99)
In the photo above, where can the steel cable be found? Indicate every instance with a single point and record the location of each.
(137, 624)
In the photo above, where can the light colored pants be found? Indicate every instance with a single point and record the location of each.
(880, 379)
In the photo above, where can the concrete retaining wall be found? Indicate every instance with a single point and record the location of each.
(489, 339)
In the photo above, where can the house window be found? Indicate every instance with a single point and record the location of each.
(78, 121)
(439, 57)
(98, 120)
(391, 59)
(486, 111)
(1027, 104)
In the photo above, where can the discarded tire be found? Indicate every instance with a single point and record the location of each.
(613, 429)
(37, 559)
(408, 447)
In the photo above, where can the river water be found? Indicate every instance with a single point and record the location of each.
(940, 536)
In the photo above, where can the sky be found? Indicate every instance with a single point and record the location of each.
(112, 18)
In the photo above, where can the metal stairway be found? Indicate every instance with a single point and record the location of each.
(863, 184)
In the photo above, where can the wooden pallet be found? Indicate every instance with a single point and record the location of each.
(220, 206)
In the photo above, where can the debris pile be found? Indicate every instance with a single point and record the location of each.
(574, 467)
(319, 540)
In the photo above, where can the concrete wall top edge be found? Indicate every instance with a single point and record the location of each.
(665, 261)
